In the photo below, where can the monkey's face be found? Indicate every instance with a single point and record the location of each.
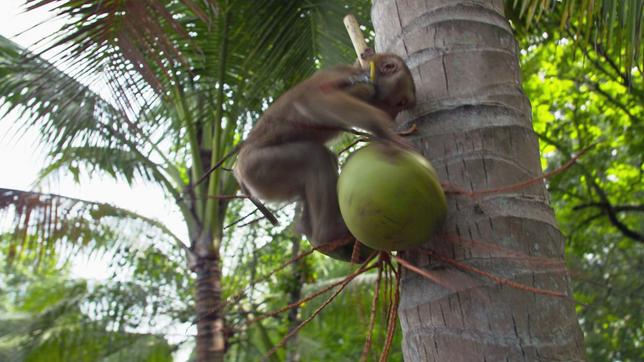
(395, 90)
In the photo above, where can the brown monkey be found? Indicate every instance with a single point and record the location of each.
(284, 157)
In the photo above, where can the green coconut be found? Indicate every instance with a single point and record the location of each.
(390, 199)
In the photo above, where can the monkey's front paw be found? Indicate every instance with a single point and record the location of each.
(367, 53)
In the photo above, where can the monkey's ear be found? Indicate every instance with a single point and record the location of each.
(388, 66)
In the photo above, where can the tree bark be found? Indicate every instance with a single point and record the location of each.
(209, 305)
(474, 124)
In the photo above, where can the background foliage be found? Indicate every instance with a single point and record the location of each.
(582, 71)
(579, 98)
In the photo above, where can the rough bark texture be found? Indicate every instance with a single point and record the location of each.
(209, 305)
(475, 126)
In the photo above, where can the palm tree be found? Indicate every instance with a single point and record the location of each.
(474, 124)
(182, 81)
(46, 315)
(187, 77)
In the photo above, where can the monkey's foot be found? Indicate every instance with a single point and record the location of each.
(408, 131)
(302, 220)
(347, 249)
(303, 226)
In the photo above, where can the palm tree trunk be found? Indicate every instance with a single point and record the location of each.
(474, 124)
(209, 305)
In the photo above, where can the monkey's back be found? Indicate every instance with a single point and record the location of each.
(283, 122)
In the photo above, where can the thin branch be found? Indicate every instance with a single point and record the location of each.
(597, 88)
(236, 297)
(520, 185)
(228, 197)
(242, 219)
(329, 247)
(616, 208)
(393, 321)
(216, 166)
(422, 272)
(364, 268)
(503, 252)
(372, 316)
(611, 212)
(603, 197)
(352, 144)
(497, 279)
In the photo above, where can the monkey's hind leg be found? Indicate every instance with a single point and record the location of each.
(321, 211)
(303, 220)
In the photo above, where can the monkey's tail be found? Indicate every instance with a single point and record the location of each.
(218, 164)
(263, 209)
(258, 204)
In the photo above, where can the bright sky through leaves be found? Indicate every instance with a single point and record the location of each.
(21, 157)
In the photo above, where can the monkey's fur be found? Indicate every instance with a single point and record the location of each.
(285, 158)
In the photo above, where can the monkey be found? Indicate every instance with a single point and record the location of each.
(284, 156)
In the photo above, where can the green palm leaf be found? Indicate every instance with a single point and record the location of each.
(55, 319)
(45, 223)
(614, 25)
(115, 162)
(65, 111)
(62, 334)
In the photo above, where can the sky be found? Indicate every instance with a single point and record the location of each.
(21, 157)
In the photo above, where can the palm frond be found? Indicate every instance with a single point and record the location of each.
(46, 223)
(44, 315)
(290, 40)
(65, 110)
(137, 37)
(45, 312)
(70, 338)
(73, 119)
(115, 162)
(232, 55)
(614, 25)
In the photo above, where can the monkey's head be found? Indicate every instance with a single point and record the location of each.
(395, 90)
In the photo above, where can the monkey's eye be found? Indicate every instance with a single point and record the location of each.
(389, 68)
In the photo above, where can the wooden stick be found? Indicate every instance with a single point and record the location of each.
(357, 39)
